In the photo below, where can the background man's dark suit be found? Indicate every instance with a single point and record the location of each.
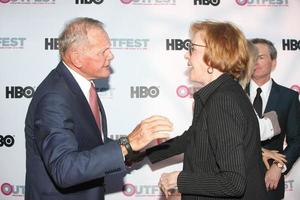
(59, 116)
(222, 154)
(286, 104)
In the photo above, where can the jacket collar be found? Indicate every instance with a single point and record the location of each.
(64, 72)
(204, 93)
(273, 97)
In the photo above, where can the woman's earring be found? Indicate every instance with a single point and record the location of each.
(210, 70)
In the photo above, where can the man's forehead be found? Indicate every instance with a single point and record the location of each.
(97, 34)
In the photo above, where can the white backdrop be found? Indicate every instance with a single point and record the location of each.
(148, 41)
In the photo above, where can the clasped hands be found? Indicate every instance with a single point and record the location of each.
(272, 154)
(273, 173)
(152, 128)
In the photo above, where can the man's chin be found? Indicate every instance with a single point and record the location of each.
(103, 75)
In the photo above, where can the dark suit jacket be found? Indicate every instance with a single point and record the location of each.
(65, 156)
(286, 104)
(222, 154)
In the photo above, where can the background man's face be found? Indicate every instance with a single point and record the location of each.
(264, 64)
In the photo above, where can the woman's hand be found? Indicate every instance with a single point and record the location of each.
(168, 183)
(272, 154)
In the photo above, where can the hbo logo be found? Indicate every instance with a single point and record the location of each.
(8, 140)
(177, 44)
(89, 1)
(19, 92)
(144, 92)
(290, 44)
(207, 2)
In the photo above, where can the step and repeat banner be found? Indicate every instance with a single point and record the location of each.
(149, 39)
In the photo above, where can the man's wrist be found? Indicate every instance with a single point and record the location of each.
(279, 165)
(125, 146)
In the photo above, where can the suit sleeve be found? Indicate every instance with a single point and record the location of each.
(169, 148)
(54, 136)
(292, 150)
(226, 129)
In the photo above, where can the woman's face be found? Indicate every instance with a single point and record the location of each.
(197, 68)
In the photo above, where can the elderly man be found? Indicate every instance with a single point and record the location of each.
(68, 153)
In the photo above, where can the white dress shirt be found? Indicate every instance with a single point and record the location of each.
(265, 124)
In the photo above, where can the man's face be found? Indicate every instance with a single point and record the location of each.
(96, 55)
(264, 64)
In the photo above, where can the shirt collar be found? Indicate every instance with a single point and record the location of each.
(83, 83)
(265, 88)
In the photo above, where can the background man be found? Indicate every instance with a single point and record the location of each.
(285, 103)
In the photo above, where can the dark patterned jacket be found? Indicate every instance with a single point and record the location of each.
(222, 153)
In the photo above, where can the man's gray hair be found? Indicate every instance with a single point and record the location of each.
(271, 47)
(75, 33)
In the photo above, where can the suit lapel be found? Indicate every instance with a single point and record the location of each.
(103, 118)
(273, 97)
(84, 105)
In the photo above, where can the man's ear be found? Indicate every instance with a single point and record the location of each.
(274, 63)
(75, 59)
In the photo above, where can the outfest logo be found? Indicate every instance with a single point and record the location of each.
(130, 43)
(268, 3)
(9, 189)
(184, 91)
(12, 42)
(130, 190)
(28, 1)
(149, 2)
(296, 88)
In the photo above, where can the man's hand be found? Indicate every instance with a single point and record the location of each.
(272, 177)
(152, 128)
(168, 183)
